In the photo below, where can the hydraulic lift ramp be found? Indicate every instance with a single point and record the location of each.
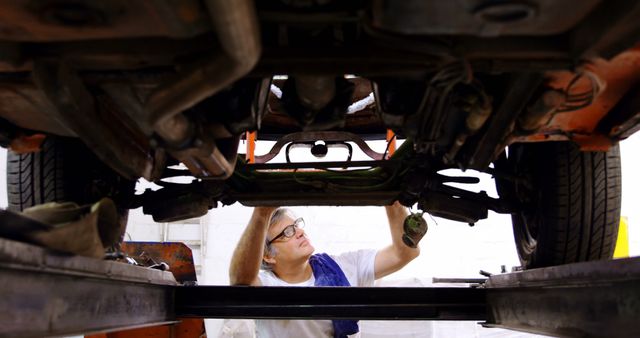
(44, 293)
(592, 299)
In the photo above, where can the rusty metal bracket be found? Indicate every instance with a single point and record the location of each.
(327, 136)
(206, 159)
(177, 255)
(588, 299)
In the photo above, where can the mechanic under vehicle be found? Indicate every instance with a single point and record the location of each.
(537, 93)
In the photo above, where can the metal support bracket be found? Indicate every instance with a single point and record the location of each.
(327, 136)
(588, 299)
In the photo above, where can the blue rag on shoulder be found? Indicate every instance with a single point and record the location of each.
(328, 273)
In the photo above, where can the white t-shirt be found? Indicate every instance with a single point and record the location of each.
(358, 267)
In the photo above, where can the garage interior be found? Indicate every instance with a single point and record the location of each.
(140, 134)
(407, 304)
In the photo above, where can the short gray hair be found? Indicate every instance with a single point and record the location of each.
(270, 250)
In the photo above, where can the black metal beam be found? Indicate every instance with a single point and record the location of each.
(293, 198)
(331, 303)
(45, 293)
(590, 299)
(583, 299)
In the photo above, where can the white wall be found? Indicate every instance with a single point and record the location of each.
(629, 152)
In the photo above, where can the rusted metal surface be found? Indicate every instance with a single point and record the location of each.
(478, 109)
(49, 294)
(260, 184)
(208, 158)
(325, 101)
(330, 164)
(25, 20)
(27, 143)
(362, 88)
(500, 126)
(185, 328)
(365, 121)
(151, 79)
(536, 115)
(588, 299)
(113, 140)
(315, 92)
(480, 18)
(177, 255)
(327, 136)
(26, 106)
(624, 119)
(611, 28)
(180, 260)
(126, 59)
(236, 27)
(618, 76)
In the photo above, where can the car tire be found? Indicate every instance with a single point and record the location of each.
(65, 170)
(569, 202)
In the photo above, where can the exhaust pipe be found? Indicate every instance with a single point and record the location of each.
(236, 25)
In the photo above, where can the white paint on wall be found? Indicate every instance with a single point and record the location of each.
(629, 152)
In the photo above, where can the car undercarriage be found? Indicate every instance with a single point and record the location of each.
(535, 93)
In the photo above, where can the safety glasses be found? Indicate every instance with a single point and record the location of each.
(290, 230)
